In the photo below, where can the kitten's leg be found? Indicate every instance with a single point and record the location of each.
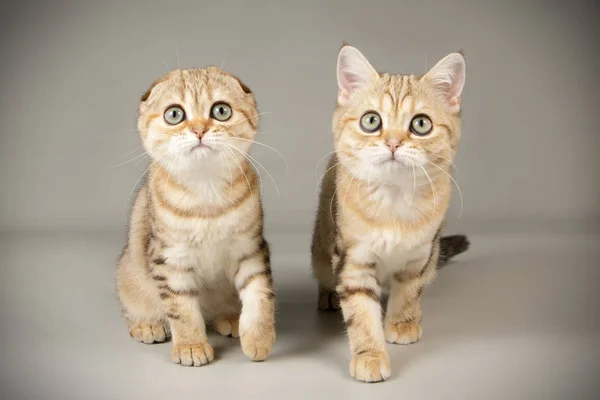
(322, 270)
(359, 294)
(322, 254)
(403, 316)
(180, 295)
(255, 285)
(140, 302)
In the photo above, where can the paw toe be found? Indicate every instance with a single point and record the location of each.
(148, 333)
(328, 301)
(228, 326)
(192, 355)
(257, 346)
(371, 367)
(403, 332)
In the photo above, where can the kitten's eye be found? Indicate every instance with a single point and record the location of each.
(370, 122)
(421, 125)
(174, 115)
(221, 112)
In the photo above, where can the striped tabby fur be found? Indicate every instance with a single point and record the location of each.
(383, 202)
(195, 254)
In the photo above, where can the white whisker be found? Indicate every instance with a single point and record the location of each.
(253, 166)
(131, 160)
(254, 160)
(168, 158)
(333, 198)
(230, 174)
(348, 187)
(141, 176)
(250, 117)
(412, 199)
(270, 148)
(435, 203)
(239, 166)
(456, 183)
(177, 159)
(321, 160)
(329, 169)
(224, 59)
(443, 158)
(137, 148)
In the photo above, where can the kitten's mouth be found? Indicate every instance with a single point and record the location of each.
(200, 147)
(395, 162)
(391, 160)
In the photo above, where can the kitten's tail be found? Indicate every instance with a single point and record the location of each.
(451, 246)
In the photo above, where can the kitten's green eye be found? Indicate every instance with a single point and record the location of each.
(174, 115)
(370, 122)
(221, 111)
(421, 125)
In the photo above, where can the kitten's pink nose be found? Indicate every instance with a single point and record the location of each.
(393, 145)
(199, 131)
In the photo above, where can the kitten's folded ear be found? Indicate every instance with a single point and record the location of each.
(241, 84)
(157, 82)
(245, 88)
(448, 79)
(354, 73)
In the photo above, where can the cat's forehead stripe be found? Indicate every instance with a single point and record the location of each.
(387, 102)
(404, 91)
(205, 87)
(183, 86)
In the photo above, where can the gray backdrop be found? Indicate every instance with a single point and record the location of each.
(72, 73)
(514, 318)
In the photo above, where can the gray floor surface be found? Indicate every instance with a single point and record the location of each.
(514, 318)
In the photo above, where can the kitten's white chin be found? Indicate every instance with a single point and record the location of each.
(394, 166)
(201, 152)
(390, 171)
(200, 147)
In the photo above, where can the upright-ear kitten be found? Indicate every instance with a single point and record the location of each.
(196, 254)
(384, 200)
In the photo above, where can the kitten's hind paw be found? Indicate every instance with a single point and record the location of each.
(149, 333)
(228, 326)
(328, 300)
(403, 332)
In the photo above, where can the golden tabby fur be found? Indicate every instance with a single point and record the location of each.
(195, 254)
(383, 202)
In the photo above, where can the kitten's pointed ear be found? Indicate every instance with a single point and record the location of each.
(448, 79)
(354, 73)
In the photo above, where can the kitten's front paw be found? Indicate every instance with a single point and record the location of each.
(258, 344)
(403, 332)
(149, 333)
(328, 301)
(372, 366)
(228, 326)
(192, 354)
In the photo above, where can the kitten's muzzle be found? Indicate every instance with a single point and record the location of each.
(199, 130)
(393, 145)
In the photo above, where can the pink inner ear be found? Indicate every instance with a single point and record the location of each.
(354, 71)
(448, 78)
(351, 82)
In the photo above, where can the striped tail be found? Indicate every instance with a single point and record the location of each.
(451, 246)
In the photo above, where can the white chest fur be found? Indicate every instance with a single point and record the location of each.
(209, 245)
(391, 249)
